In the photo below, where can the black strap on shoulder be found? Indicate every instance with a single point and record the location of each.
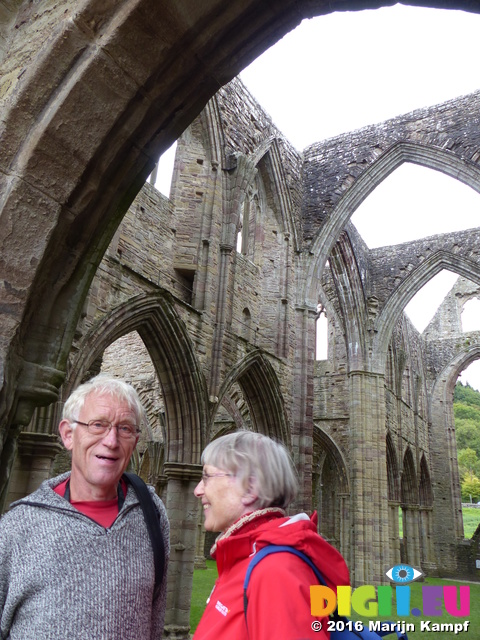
(150, 514)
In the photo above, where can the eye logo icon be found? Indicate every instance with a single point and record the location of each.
(403, 574)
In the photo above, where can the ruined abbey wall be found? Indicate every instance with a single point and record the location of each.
(221, 285)
(173, 250)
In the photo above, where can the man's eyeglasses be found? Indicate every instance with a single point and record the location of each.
(102, 427)
(206, 476)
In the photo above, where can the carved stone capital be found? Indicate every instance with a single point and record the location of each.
(38, 385)
(40, 445)
(183, 471)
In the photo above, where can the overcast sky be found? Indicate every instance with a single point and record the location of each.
(347, 70)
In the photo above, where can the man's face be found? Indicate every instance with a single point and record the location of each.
(98, 461)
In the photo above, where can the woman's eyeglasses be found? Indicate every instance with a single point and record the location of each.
(206, 476)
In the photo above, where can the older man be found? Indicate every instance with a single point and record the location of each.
(76, 558)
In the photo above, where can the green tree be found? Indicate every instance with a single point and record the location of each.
(466, 394)
(466, 412)
(468, 435)
(471, 488)
(468, 462)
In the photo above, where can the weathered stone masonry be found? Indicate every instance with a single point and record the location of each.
(229, 334)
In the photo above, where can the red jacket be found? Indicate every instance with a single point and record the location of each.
(279, 589)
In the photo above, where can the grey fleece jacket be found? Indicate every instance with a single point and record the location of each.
(65, 577)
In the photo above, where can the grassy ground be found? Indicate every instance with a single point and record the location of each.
(203, 581)
(471, 520)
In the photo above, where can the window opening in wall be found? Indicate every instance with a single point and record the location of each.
(471, 315)
(240, 232)
(321, 350)
(161, 176)
(424, 304)
(414, 202)
(247, 324)
(184, 284)
(471, 375)
(128, 358)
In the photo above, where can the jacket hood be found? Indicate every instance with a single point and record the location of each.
(299, 531)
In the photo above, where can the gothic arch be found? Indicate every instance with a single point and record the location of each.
(425, 490)
(409, 489)
(352, 303)
(393, 479)
(153, 93)
(425, 271)
(427, 547)
(443, 448)
(270, 156)
(426, 156)
(392, 471)
(410, 512)
(261, 390)
(331, 494)
(165, 337)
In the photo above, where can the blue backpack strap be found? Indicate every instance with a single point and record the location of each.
(266, 551)
(334, 635)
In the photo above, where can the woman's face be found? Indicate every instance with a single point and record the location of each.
(223, 498)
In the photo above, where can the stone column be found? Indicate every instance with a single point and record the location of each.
(344, 503)
(302, 407)
(200, 560)
(370, 544)
(182, 508)
(394, 533)
(33, 463)
(427, 559)
(413, 542)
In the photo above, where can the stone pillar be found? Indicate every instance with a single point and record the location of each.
(344, 503)
(394, 533)
(182, 508)
(427, 559)
(200, 561)
(8, 454)
(413, 541)
(370, 544)
(302, 428)
(33, 463)
(447, 524)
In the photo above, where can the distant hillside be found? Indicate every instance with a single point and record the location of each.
(466, 407)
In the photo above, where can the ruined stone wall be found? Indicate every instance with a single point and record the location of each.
(333, 165)
(228, 306)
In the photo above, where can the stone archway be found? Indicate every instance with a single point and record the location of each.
(132, 107)
(409, 503)
(261, 391)
(331, 491)
(448, 527)
(81, 193)
(394, 508)
(427, 548)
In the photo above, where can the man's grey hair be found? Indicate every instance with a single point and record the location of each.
(260, 463)
(103, 384)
